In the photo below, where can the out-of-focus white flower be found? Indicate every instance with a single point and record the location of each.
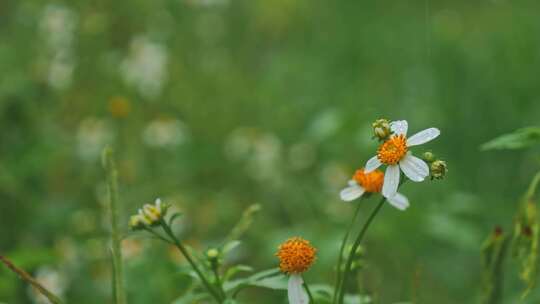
(325, 124)
(58, 24)
(395, 153)
(302, 155)
(162, 133)
(261, 152)
(92, 136)
(52, 279)
(146, 66)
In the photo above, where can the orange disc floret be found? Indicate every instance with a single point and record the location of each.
(371, 181)
(295, 255)
(393, 150)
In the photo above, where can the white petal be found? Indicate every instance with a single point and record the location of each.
(351, 193)
(296, 292)
(423, 137)
(391, 181)
(399, 127)
(372, 164)
(399, 201)
(414, 168)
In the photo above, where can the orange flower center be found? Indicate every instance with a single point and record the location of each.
(372, 181)
(393, 150)
(295, 255)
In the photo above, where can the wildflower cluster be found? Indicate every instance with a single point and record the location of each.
(394, 152)
(149, 215)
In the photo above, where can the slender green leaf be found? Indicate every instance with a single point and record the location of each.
(519, 139)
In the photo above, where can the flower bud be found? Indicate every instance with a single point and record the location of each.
(438, 169)
(381, 129)
(428, 157)
(212, 253)
(151, 215)
(136, 222)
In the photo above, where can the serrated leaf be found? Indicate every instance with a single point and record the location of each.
(519, 139)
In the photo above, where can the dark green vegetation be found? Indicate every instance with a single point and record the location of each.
(213, 105)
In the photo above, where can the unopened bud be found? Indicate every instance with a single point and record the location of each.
(136, 222)
(428, 156)
(381, 129)
(438, 169)
(212, 253)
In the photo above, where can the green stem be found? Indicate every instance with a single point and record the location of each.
(157, 235)
(112, 181)
(188, 257)
(355, 246)
(532, 187)
(219, 284)
(340, 257)
(30, 280)
(310, 295)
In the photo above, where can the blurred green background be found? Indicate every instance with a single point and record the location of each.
(213, 105)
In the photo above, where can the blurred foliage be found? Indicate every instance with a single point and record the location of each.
(214, 105)
(494, 250)
(519, 139)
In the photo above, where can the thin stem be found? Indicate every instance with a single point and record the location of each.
(355, 246)
(188, 257)
(219, 284)
(112, 181)
(157, 235)
(30, 280)
(532, 187)
(310, 295)
(340, 257)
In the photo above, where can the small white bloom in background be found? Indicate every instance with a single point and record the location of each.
(52, 279)
(325, 124)
(367, 183)
(302, 155)
(58, 25)
(92, 136)
(395, 153)
(146, 66)
(163, 133)
(261, 152)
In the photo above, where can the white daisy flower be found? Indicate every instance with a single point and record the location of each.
(371, 182)
(394, 153)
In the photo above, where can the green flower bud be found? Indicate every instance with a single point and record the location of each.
(212, 253)
(136, 222)
(428, 156)
(381, 129)
(438, 169)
